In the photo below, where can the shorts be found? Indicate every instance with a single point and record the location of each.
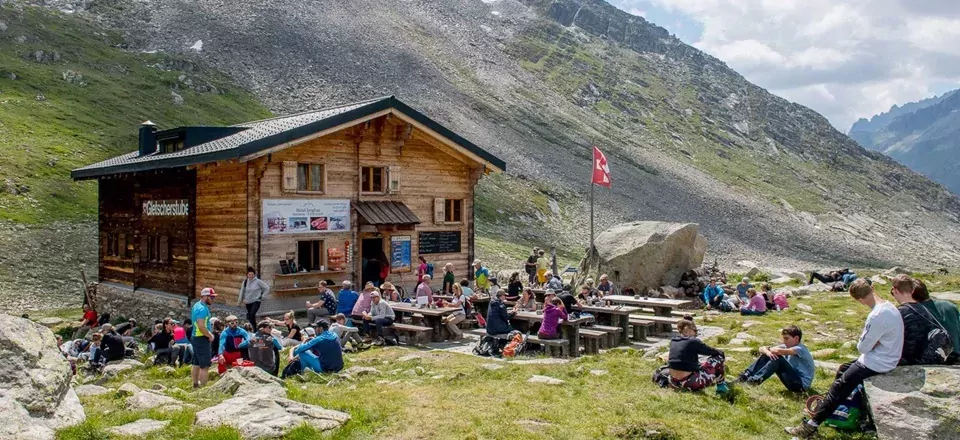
(202, 351)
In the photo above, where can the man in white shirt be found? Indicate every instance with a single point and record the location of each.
(880, 346)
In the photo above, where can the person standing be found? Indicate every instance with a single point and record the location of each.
(325, 306)
(541, 268)
(421, 269)
(531, 267)
(880, 347)
(481, 276)
(202, 337)
(449, 279)
(252, 291)
(790, 361)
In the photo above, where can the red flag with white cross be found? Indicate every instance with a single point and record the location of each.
(601, 172)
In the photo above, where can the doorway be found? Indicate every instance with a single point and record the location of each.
(372, 260)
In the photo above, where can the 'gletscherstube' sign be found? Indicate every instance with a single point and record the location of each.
(166, 208)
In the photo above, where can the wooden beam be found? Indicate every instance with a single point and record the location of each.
(345, 125)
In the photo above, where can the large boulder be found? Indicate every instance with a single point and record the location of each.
(916, 402)
(645, 255)
(261, 416)
(35, 393)
(249, 381)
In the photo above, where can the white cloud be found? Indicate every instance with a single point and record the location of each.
(844, 58)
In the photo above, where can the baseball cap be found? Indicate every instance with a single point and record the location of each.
(208, 291)
(549, 292)
(310, 331)
(232, 318)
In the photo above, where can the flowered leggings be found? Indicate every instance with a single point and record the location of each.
(710, 373)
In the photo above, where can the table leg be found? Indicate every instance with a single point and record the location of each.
(572, 334)
(624, 322)
(665, 312)
(434, 321)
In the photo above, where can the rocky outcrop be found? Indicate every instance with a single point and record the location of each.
(916, 402)
(35, 393)
(249, 381)
(645, 255)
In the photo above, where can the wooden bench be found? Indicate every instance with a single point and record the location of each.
(468, 324)
(553, 347)
(591, 340)
(639, 328)
(414, 333)
(678, 313)
(613, 334)
(664, 323)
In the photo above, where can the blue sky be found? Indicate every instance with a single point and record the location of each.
(843, 58)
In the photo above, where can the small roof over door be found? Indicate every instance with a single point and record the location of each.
(386, 213)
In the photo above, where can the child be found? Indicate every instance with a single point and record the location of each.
(765, 290)
(755, 306)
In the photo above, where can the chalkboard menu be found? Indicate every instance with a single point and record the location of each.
(439, 242)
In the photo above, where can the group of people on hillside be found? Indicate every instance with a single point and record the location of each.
(919, 330)
(747, 300)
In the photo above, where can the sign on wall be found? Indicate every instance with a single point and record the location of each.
(400, 253)
(152, 208)
(439, 242)
(305, 216)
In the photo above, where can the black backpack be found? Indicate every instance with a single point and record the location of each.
(939, 343)
(486, 346)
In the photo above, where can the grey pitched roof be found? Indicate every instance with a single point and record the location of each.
(263, 134)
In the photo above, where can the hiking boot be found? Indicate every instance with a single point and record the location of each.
(378, 342)
(803, 431)
(722, 388)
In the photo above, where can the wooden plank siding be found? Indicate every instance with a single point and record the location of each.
(222, 228)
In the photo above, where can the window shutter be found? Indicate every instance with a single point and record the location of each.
(289, 176)
(439, 211)
(164, 249)
(393, 177)
(122, 245)
(144, 248)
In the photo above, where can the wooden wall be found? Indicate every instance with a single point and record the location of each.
(221, 228)
(117, 215)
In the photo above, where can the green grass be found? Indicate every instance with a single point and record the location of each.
(472, 402)
(81, 123)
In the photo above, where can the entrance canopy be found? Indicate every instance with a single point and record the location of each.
(386, 213)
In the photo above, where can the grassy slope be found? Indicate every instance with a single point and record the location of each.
(81, 123)
(470, 401)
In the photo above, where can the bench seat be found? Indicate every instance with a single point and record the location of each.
(591, 340)
(613, 333)
(554, 347)
(413, 332)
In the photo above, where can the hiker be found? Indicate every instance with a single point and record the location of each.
(918, 322)
(264, 349)
(530, 267)
(514, 286)
(321, 354)
(541, 268)
(294, 334)
(684, 370)
(252, 291)
(553, 315)
(946, 313)
(880, 347)
(389, 292)
(449, 279)
(756, 305)
(527, 301)
(605, 287)
(553, 282)
(453, 320)
(790, 361)
(498, 318)
(424, 290)
(111, 346)
(742, 289)
(712, 295)
(97, 359)
(346, 334)
(481, 276)
(163, 345)
(201, 337)
(381, 315)
(832, 277)
(346, 299)
(465, 287)
(87, 322)
(324, 307)
(232, 342)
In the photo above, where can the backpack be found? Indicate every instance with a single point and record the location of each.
(481, 320)
(838, 286)
(518, 342)
(486, 346)
(939, 343)
(292, 369)
(847, 416)
(261, 352)
(430, 270)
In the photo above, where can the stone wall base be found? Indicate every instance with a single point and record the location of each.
(147, 305)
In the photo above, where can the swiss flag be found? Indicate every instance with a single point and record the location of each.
(601, 172)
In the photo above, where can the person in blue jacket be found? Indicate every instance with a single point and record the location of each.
(321, 354)
(233, 340)
(712, 295)
(498, 318)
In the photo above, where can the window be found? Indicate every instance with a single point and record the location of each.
(155, 249)
(171, 145)
(454, 210)
(117, 245)
(310, 254)
(371, 179)
(111, 249)
(310, 177)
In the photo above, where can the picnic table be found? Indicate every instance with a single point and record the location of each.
(662, 307)
(482, 304)
(619, 316)
(432, 317)
(569, 328)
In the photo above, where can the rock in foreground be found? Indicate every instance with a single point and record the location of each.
(916, 402)
(35, 393)
(261, 416)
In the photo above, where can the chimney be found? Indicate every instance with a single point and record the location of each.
(148, 138)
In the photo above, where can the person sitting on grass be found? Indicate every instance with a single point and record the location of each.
(743, 288)
(832, 277)
(232, 342)
(162, 343)
(321, 354)
(294, 334)
(553, 315)
(264, 349)
(684, 371)
(380, 316)
(112, 347)
(756, 305)
(712, 295)
(87, 322)
(946, 313)
(339, 328)
(767, 292)
(97, 359)
(880, 347)
(790, 361)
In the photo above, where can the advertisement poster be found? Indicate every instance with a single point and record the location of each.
(400, 253)
(304, 216)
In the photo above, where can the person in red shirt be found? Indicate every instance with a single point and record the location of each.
(88, 322)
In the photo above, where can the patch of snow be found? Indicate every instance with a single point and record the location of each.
(198, 46)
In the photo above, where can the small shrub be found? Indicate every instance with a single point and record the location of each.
(723, 340)
(645, 431)
(762, 277)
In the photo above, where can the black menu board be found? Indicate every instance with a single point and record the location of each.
(439, 242)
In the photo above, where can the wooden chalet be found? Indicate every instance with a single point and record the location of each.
(301, 198)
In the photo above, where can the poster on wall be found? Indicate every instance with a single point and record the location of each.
(305, 216)
(400, 253)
